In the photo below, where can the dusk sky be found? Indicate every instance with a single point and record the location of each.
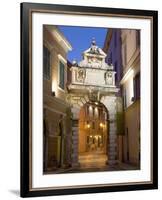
(80, 38)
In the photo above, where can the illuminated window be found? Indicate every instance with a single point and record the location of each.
(90, 111)
(96, 112)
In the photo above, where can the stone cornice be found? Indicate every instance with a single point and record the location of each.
(87, 88)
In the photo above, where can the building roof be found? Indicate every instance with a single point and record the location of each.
(57, 34)
(107, 40)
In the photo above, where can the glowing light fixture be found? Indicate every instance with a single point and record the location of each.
(88, 125)
(90, 107)
(54, 87)
(101, 124)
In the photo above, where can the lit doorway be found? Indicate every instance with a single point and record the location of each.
(93, 133)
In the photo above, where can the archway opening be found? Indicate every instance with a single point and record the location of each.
(93, 134)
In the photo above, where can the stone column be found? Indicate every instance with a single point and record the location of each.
(75, 137)
(75, 144)
(112, 143)
(110, 103)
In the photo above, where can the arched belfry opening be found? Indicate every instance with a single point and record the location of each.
(93, 133)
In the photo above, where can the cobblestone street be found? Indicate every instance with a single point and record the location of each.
(95, 162)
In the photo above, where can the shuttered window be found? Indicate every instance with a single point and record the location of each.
(137, 86)
(61, 75)
(46, 63)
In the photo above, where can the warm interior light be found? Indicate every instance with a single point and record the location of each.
(88, 125)
(54, 87)
(90, 107)
(101, 124)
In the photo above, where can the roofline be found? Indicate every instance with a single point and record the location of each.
(56, 33)
(107, 40)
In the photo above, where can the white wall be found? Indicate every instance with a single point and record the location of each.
(9, 100)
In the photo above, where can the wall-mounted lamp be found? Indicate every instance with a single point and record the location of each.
(88, 125)
(132, 99)
(101, 124)
(53, 94)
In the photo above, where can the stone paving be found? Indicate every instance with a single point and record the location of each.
(94, 162)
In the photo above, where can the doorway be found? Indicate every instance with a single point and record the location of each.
(93, 134)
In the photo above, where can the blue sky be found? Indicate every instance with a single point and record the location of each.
(80, 38)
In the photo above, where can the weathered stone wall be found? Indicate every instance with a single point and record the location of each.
(132, 136)
(110, 103)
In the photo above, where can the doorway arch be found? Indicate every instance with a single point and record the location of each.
(93, 133)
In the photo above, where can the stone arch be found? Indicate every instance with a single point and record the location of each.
(111, 105)
(76, 101)
(109, 102)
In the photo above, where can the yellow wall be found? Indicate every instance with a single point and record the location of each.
(55, 107)
(55, 50)
(97, 132)
(132, 123)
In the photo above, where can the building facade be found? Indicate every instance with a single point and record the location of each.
(56, 111)
(112, 47)
(131, 95)
(123, 50)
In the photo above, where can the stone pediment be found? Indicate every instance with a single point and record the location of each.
(93, 71)
(94, 57)
(92, 51)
